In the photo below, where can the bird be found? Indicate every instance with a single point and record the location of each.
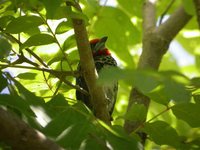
(102, 59)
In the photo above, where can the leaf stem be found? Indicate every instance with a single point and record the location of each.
(159, 114)
(154, 117)
(57, 42)
(59, 74)
(11, 37)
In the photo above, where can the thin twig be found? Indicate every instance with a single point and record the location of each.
(57, 42)
(11, 37)
(57, 89)
(45, 78)
(59, 74)
(153, 118)
(53, 72)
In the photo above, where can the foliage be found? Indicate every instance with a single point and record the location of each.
(37, 48)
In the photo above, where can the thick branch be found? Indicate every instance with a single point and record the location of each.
(156, 41)
(197, 6)
(174, 24)
(20, 136)
(98, 99)
(155, 44)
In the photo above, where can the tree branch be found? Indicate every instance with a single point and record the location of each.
(174, 24)
(53, 72)
(20, 136)
(149, 16)
(197, 6)
(156, 41)
(59, 74)
(165, 11)
(98, 99)
(11, 37)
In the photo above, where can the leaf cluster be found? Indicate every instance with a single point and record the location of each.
(38, 59)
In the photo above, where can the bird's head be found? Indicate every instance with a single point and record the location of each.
(98, 47)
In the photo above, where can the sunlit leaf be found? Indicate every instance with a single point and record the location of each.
(51, 7)
(38, 39)
(16, 102)
(23, 23)
(63, 27)
(5, 20)
(189, 6)
(27, 76)
(162, 133)
(5, 48)
(136, 113)
(57, 104)
(89, 132)
(188, 112)
(127, 6)
(28, 96)
(70, 42)
(121, 32)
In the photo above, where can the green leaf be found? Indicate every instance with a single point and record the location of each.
(5, 48)
(27, 95)
(5, 20)
(170, 91)
(57, 105)
(16, 102)
(197, 60)
(109, 75)
(127, 6)
(79, 16)
(173, 87)
(191, 145)
(122, 34)
(161, 87)
(162, 133)
(23, 23)
(90, 134)
(196, 98)
(189, 6)
(70, 42)
(38, 39)
(64, 27)
(176, 92)
(58, 57)
(52, 6)
(36, 104)
(66, 125)
(4, 5)
(120, 140)
(27, 76)
(195, 82)
(3, 82)
(146, 80)
(158, 95)
(137, 112)
(188, 112)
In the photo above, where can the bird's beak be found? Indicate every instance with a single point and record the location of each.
(101, 44)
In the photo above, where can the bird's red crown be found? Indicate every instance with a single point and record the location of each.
(98, 47)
